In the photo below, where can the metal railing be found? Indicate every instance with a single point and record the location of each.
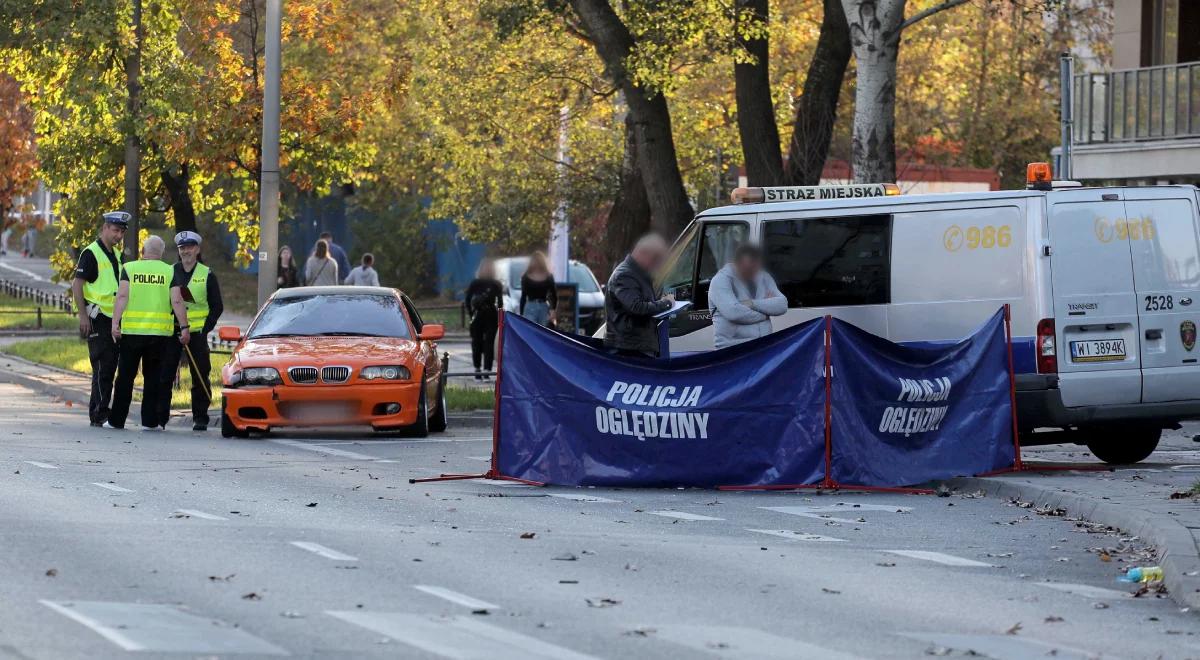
(46, 303)
(1151, 103)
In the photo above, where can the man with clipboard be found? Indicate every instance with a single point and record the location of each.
(631, 303)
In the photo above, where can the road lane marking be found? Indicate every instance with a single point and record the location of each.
(850, 507)
(940, 558)
(113, 488)
(332, 451)
(583, 498)
(200, 514)
(328, 553)
(1085, 590)
(21, 271)
(807, 513)
(796, 536)
(44, 466)
(681, 515)
(160, 628)
(461, 638)
(743, 643)
(504, 483)
(480, 458)
(1003, 647)
(456, 598)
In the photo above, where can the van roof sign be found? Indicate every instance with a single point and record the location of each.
(802, 193)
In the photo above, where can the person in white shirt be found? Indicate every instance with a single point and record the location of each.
(365, 274)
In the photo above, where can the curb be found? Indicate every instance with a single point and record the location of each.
(1180, 559)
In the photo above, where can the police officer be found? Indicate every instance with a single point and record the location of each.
(95, 290)
(142, 325)
(202, 297)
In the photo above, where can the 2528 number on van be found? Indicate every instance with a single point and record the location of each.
(1157, 303)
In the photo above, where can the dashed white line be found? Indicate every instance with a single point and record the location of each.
(112, 487)
(583, 498)
(797, 536)
(44, 466)
(332, 451)
(680, 515)
(1086, 590)
(328, 553)
(808, 513)
(30, 274)
(161, 629)
(940, 558)
(456, 598)
(200, 514)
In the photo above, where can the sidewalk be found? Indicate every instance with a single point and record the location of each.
(1137, 500)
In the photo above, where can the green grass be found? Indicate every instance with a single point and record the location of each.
(451, 318)
(52, 319)
(71, 353)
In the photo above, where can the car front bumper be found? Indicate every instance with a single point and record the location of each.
(347, 405)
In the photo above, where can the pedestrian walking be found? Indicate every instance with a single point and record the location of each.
(337, 252)
(94, 290)
(321, 269)
(201, 294)
(29, 239)
(286, 274)
(484, 298)
(743, 298)
(539, 296)
(631, 301)
(9, 226)
(365, 273)
(142, 315)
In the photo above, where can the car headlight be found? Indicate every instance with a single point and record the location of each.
(386, 372)
(255, 376)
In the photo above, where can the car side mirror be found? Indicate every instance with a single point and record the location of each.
(230, 333)
(432, 332)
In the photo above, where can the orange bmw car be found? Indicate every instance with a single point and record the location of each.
(334, 356)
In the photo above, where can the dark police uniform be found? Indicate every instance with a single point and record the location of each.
(99, 268)
(202, 297)
(146, 327)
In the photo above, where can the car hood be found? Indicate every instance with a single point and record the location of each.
(317, 351)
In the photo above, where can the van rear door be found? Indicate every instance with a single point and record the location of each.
(1160, 223)
(1095, 305)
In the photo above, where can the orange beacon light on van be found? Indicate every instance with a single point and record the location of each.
(1038, 176)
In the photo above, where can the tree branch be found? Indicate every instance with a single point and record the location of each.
(922, 15)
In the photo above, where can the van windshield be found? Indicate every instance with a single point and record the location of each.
(830, 262)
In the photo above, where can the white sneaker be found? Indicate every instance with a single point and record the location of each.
(151, 429)
(114, 428)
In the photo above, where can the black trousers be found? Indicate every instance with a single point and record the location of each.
(483, 339)
(172, 353)
(102, 353)
(146, 352)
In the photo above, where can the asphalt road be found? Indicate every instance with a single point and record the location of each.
(175, 544)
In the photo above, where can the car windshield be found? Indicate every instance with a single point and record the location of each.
(579, 273)
(345, 315)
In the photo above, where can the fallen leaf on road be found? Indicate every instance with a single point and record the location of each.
(218, 578)
(52, 572)
(938, 650)
(480, 612)
(885, 564)
(830, 591)
(1100, 606)
(1182, 495)
(640, 632)
(1014, 630)
(568, 581)
(565, 557)
(1104, 556)
(251, 596)
(1053, 619)
(528, 535)
(311, 504)
(602, 602)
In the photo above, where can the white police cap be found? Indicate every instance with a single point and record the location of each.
(187, 238)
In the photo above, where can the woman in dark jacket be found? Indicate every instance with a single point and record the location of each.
(484, 298)
(539, 296)
(286, 276)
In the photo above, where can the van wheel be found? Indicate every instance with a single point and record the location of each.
(439, 421)
(1123, 445)
(420, 428)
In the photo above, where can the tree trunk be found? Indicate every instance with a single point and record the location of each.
(669, 205)
(816, 109)
(752, 90)
(875, 37)
(629, 217)
(133, 152)
(178, 187)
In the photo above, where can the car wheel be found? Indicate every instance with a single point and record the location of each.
(228, 430)
(439, 421)
(1121, 444)
(420, 428)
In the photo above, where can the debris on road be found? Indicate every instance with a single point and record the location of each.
(251, 596)
(528, 535)
(1014, 630)
(218, 578)
(565, 557)
(311, 504)
(1143, 574)
(53, 572)
(602, 602)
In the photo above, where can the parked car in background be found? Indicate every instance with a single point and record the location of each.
(591, 299)
(334, 355)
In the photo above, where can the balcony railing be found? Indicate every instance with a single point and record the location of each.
(1154, 103)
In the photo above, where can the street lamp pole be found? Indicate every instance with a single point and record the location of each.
(268, 203)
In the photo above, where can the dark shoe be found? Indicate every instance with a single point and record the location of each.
(97, 425)
(199, 427)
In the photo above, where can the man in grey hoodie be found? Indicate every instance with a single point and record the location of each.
(743, 298)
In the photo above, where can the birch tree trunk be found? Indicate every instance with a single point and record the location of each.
(875, 27)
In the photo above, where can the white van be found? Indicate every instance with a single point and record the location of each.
(1104, 285)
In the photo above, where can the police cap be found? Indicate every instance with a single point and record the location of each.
(187, 238)
(118, 218)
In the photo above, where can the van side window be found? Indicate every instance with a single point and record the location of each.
(718, 243)
(681, 268)
(830, 262)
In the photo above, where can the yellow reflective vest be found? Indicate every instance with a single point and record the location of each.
(197, 309)
(148, 311)
(103, 292)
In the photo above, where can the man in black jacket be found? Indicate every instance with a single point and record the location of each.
(631, 301)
